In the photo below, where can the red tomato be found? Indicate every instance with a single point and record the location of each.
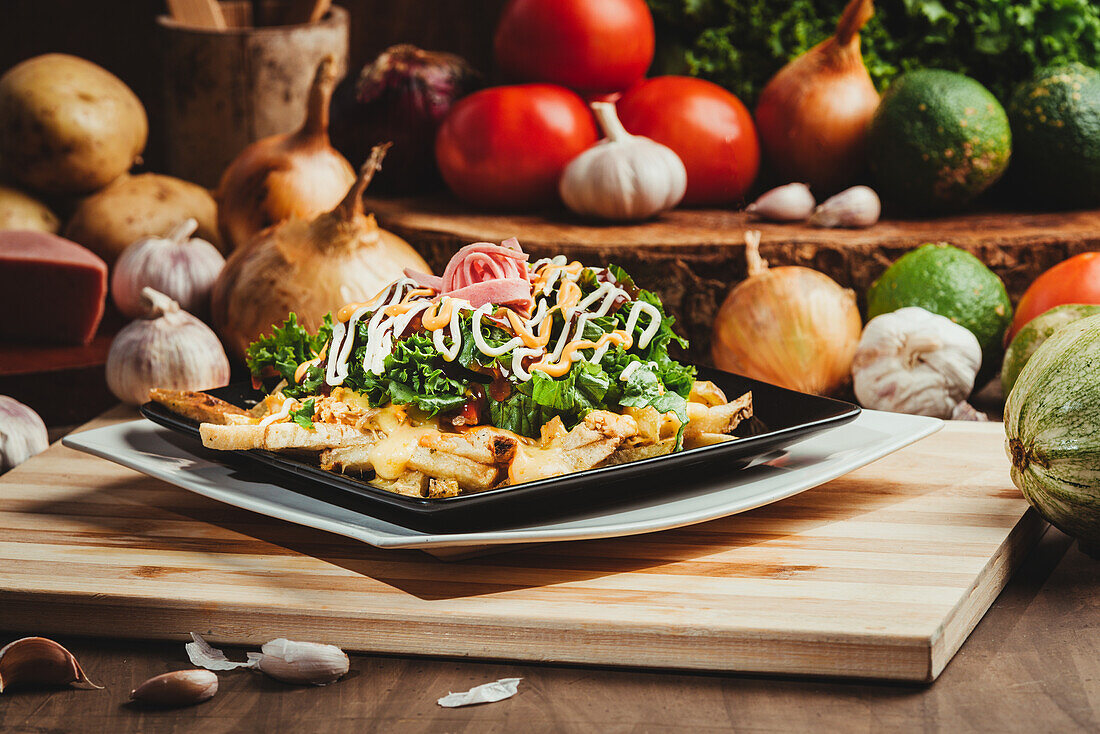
(1076, 280)
(505, 147)
(589, 45)
(709, 129)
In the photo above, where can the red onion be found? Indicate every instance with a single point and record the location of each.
(402, 96)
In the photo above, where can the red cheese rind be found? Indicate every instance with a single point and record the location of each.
(51, 289)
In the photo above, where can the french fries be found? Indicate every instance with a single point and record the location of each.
(418, 459)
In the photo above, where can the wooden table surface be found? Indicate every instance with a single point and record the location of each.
(1032, 665)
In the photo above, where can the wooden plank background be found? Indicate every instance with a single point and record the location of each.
(879, 574)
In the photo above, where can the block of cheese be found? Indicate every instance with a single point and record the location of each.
(51, 289)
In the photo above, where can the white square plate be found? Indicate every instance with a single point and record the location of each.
(162, 454)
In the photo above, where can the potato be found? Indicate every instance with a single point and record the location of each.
(141, 206)
(20, 211)
(67, 125)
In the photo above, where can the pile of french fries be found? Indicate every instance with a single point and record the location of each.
(415, 457)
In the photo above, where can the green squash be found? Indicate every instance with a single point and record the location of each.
(1052, 424)
(1037, 331)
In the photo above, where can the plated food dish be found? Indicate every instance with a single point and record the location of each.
(500, 373)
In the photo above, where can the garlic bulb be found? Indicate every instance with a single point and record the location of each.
(22, 433)
(181, 267)
(790, 326)
(790, 203)
(624, 176)
(914, 361)
(852, 208)
(167, 348)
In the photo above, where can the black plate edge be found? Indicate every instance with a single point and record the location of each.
(835, 413)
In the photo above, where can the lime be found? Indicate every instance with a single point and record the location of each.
(950, 282)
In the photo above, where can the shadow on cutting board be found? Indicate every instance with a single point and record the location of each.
(145, 514)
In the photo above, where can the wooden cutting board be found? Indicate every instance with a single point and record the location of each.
(692, 257)
(880, 574)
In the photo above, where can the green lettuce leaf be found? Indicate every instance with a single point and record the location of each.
(304, 415)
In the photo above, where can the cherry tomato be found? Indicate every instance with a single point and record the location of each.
(706, 126)
(588, 45)
(1076, 280)
(505, 147)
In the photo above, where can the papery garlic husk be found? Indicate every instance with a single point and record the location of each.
(917, 362)
(283, 176)
(22, 433)
(854, 208)
(177, 688)
(812, 116)
(37, 661)
(791, 203)
(964, 411)
(790, 326)
(623, 177)
(303, 663)
(169, 349)
(311, 268)
(178, 265)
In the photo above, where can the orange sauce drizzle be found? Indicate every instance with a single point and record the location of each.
(519, 328)
(438, 314)
(300, 372)
(559, 368)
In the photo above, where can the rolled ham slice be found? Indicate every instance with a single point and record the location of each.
(424, 280)
(484, 273)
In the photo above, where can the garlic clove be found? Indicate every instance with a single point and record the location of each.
(964, 411)
(22, 433)
(853, 208)
(791, 203)
(302, 662)
(37, 661)
(178, 688)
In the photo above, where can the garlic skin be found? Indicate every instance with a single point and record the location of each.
(791, 203)
(854, 208)
(22, 433)
(623, 177)
(37, 661)
(177, 688)
(917, 362)
(303, 663)
(181, 267)
(169, 348)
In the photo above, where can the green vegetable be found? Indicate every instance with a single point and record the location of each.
(1056, 133)
(304, 415)
(1037, 331)
(287, 347)
(740, 44)
(952, 283)
(937, 140)
(416, 374)
(1053, 430)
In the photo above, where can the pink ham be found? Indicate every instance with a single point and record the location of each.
(51, 289)
(424, 280)
(484, 273)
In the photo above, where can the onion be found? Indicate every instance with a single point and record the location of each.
(309, 267)
(812, 116)
(402, 96)
(293, 175)
(791, 326)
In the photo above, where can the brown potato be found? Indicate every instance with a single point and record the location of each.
(20, 211)
(133, 207)
(68, 125)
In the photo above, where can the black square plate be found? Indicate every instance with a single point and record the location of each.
(781, 417)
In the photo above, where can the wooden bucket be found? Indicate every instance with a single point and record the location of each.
(224, 89)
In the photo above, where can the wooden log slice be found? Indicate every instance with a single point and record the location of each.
(693, 257)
